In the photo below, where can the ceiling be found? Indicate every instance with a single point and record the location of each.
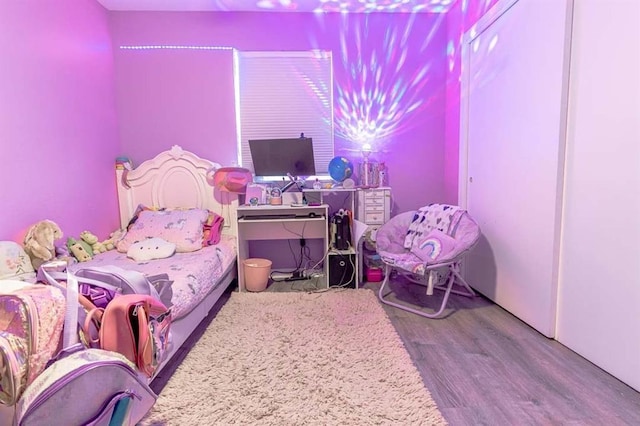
(352, 6)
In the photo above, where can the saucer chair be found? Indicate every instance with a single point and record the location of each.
(427, 246)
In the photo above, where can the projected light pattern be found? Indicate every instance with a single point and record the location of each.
(381, 86)
(343, 6)
(471, 11)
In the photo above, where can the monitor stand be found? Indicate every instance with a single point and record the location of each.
(294, 181)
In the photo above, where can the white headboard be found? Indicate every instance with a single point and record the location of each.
(174, 178)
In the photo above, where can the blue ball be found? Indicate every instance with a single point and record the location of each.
(340, 168)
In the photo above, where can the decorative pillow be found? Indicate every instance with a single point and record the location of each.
(212, 229)
(436, 245)
(15, 263)
(184, 228)
(151, 248)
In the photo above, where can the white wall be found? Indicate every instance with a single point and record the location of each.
(599, 288)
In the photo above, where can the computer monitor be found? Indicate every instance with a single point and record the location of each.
(275, 158)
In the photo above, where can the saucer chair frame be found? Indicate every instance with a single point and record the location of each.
(453, 282)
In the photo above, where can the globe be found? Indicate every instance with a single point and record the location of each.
(340, 168)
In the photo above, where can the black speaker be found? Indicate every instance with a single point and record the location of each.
(342, 270)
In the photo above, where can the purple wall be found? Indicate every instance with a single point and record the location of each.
(390, 72)
(58, 138)
(62, 83)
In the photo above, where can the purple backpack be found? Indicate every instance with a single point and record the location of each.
(110, 388)
(100, 284)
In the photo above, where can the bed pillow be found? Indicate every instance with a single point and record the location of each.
(15, 263)
(184, 228)
(212, 228)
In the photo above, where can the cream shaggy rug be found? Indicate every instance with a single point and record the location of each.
(329, 358)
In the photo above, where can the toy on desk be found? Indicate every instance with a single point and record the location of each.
(276, 197)
(382, 174)
(256, 194)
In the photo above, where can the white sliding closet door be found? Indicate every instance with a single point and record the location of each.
(512, 151)
(599, 292)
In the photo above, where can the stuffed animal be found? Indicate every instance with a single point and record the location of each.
(109, 244)
(79, 249)
(39, 243)
(114, 237)
(92, 240)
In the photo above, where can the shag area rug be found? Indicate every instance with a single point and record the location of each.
(330, 358)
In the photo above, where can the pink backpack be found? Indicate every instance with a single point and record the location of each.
(136, 326)
(31, 320)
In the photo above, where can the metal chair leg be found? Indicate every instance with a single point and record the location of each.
(453, 277)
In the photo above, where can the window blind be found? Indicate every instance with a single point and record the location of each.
(282, 94)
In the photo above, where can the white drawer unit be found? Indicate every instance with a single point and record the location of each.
(374, 205)
(374, 209)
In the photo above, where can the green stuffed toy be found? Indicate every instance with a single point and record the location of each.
(80, 249)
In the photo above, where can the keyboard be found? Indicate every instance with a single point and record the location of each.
(269, 216)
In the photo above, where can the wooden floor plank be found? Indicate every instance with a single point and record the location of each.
(482, 365)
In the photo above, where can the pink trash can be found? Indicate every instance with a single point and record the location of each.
(256, 273)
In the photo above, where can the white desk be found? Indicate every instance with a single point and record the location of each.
(309, 222)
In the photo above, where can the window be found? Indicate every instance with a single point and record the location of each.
(284, 94)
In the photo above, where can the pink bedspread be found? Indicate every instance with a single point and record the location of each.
(194, 274)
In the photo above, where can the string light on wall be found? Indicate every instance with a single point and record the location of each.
(170, 47)
(344, 6)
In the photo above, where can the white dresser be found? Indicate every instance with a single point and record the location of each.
(373, 207)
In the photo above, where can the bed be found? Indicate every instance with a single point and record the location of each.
(178, 179)
(173, 179)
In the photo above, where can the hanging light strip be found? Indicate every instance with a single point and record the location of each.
(169, 47)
